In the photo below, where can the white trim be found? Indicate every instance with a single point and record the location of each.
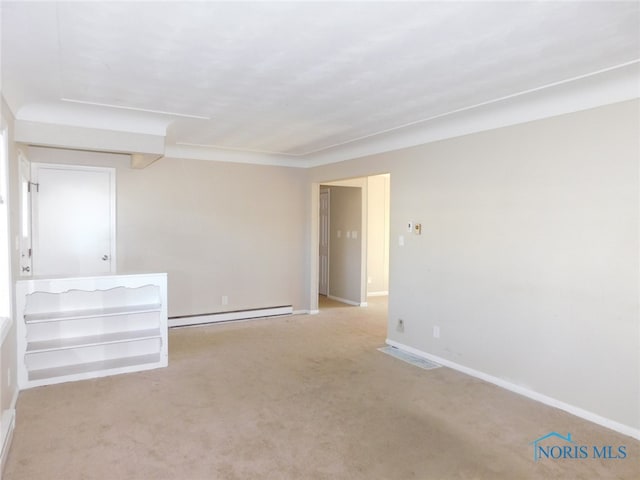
(228, 316)
(231, 156)
(348, 302)
(5, 326)
(7, 426)
(378, 294)
(124, 139)
(314, 312)
(14, 398)
(6, 277)
(135, 109)
(539, 397)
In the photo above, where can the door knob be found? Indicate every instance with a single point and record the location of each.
(105, 257)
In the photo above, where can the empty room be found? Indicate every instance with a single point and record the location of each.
(319, 240)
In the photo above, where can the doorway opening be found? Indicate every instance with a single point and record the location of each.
(353, 242)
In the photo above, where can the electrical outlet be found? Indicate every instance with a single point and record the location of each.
(225, 300)
(436, 332)
(400, 326)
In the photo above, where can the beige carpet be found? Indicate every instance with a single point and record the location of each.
(304, 397)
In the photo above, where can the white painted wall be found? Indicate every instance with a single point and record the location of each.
(528, 261)
(378, 234)
(345, 230)
(8, 367)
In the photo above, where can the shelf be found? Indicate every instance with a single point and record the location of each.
(78, 328)
(30, 318)
(76, 369)
(91, 340)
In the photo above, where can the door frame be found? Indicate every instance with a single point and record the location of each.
(35, 166)
(6, 274)
(326, 192)
(315, 241)
(314, 267)
(25, 228)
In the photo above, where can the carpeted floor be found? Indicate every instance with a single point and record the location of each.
(303, 397)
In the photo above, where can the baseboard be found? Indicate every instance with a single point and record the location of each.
(550, 401)
(7, 426)
(305, 312)
(348, 302)
(378, 294)
(229, 316)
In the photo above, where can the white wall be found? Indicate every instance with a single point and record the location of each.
(8, 368)
(217, 229)
(378, 234)
(528, 261)
(345, 257)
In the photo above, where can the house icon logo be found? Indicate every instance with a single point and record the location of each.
(537, 448)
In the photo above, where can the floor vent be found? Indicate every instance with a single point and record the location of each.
(409, 358)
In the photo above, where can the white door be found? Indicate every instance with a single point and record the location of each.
(25, 214)
(323, 284)
(73, 219)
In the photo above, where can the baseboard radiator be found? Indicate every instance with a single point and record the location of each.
(199, 319)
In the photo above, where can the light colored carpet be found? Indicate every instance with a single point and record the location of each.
(304, 397)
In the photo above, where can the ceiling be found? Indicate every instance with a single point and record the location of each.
(292, 81)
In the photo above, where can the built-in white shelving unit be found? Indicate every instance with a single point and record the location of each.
(78, 328)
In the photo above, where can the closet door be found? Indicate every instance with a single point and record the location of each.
(73, 219)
